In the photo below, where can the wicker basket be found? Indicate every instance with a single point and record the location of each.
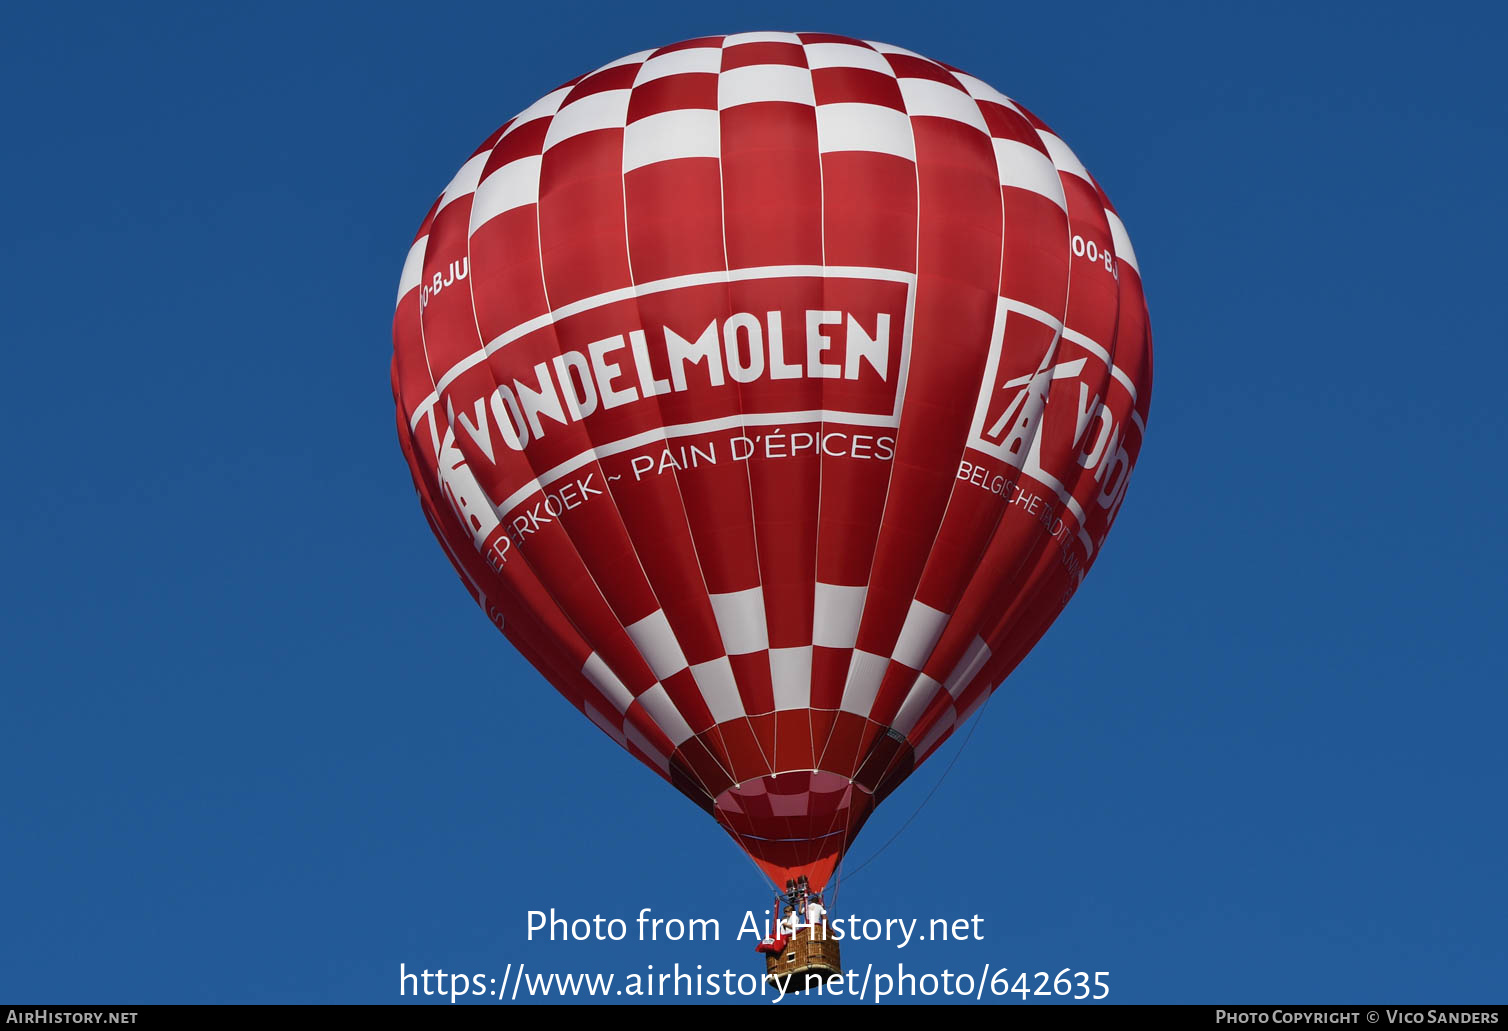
(808, 959)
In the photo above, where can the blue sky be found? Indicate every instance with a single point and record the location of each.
(256, 745)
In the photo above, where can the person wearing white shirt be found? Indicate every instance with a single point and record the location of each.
(815, 911)
(790, 922)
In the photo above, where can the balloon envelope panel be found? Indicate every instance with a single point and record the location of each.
(773, 393)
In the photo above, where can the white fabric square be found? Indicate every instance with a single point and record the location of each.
(757, 83)
(605, 110)
(719, 689)
(741, 620)
(465, 180)
(981, 90)
(692, 133)
(613, 689)
(791, 676)
(657, 643)
(413, 267)
(939, 100)
(886, 48)
(864, 675)
(1121, 240)
(846, 55)
(920, 696)
(968, 667)
(667, 717)
(871, 127)
(681, 62)
(835, 615)
(1063, 158)
(923, 626)
(1027, 168)
(944, 724)
(544, 107)
(760, 37)
(512, 186)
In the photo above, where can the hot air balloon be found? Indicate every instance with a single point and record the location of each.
(773, 393)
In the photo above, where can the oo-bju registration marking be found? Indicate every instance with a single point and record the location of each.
(454, 273)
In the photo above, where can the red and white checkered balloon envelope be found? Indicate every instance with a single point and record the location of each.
(773, 393)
